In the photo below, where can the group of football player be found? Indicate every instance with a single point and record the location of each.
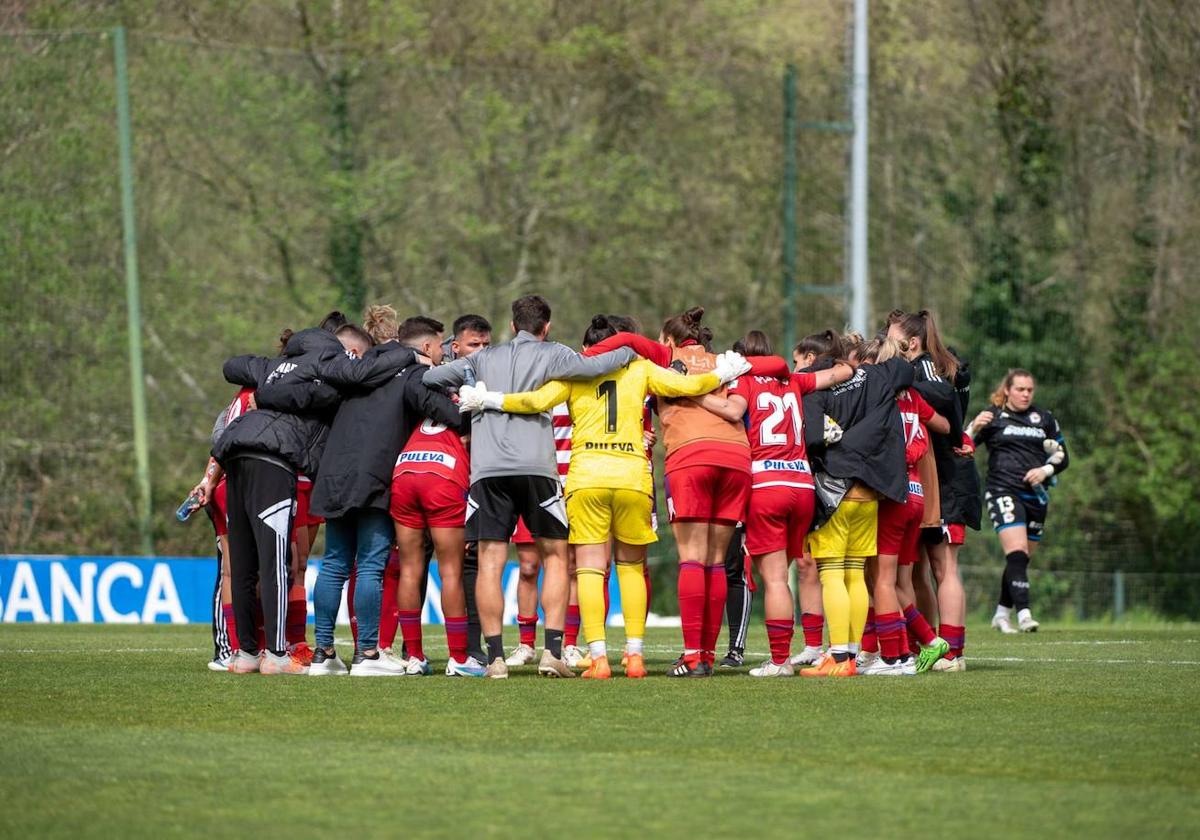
(855, 463)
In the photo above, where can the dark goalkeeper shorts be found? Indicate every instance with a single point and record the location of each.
(1007, 510)
(494, 504)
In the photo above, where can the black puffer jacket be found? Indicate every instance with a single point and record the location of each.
(369, 431)
(295, 436)
(958, 483)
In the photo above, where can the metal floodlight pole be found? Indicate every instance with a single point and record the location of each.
(137, 380)
(859, 292)
(789, 210)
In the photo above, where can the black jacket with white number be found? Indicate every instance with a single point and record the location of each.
(295, 435)
(872, 446)
(369, 431)
(1016, 444)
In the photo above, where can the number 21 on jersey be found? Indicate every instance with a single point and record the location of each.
(769, 432)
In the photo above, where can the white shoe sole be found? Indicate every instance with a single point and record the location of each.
(214, 665)
(320, 671)
(360, 671)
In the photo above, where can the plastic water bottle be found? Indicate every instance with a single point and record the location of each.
(190, 505)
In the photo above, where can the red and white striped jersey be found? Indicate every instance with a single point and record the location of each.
(560, 420)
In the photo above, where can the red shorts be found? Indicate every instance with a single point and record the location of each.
(956, 533)
(899, 530)
(707, 494)
(217, 511)
(424, 500)
(304, 518)
(521, 535)
(778, 519)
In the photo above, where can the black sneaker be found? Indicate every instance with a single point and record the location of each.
(682, 669)
(734, 659)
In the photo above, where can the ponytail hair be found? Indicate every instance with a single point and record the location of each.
(922, 326)
(823, 345)
(686, 327)
(602, 327)
(381, 322)
(998, 396)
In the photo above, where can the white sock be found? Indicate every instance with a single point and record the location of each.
(1003, 611)
(853, 648)
(597, 649)
(1024, 615)
(633, 645)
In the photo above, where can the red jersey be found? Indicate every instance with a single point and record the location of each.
(775, 426)
(435, 449)
(239, 406)
(914, 414)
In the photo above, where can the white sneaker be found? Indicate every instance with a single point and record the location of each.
(958, 663)
(522, 655)
(418, 667)
(470, 667)
(573, 655)
(808, 656)
(326, 664)
(220, 663)
(866, 660)
(905, 667)
(770, 669)
(497, 670)
(381, 666)
(1003, 623)
(1026, 623)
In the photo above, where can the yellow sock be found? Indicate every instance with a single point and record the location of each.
(836, 601)
(591, 603)
(860, 601)
(632, 581)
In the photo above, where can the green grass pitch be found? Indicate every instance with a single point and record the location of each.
(108, 731)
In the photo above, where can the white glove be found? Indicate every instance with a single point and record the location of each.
(477, 397)
(833, 432)
(730, 365)
(1055, 450)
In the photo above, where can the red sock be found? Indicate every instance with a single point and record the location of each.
(527, 627)
(456, 637)
(296, 623)
(410, 629)
(814, 629)
(890, 627)
(714, 608)
(350, 608)
(956, 636)
(918, 627)
(870, 639)
(779, 634)
(691, 603)
(389, 610)
(607, 597)
(231, 627)
(646, 575)
(571, 630)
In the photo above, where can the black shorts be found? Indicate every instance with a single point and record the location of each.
(494, 504)
(1007, 510)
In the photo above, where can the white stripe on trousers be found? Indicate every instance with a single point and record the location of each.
(220, 627)
(281, 588)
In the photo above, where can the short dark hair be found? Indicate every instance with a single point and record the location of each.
(531, 313)
(357, 333)
(474, 323)
(433, 323)
(418, 329)
(334, 321)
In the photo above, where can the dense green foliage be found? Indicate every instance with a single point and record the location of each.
(1080, 733)
(1033, 181)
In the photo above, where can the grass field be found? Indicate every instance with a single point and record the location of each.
(110, 731)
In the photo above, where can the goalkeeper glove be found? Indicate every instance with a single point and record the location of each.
(730, 365)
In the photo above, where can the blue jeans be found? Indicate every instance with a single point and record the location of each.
(362, 540)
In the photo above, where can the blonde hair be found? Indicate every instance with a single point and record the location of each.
(381, 322)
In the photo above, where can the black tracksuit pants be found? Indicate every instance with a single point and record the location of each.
(261, 501)
(737, 592)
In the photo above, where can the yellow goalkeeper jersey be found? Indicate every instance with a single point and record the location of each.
(606, 414)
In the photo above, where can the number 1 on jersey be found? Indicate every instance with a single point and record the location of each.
(607, 391)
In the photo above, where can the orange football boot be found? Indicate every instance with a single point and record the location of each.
(598, 669)
(823, 667)
(635, 666)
